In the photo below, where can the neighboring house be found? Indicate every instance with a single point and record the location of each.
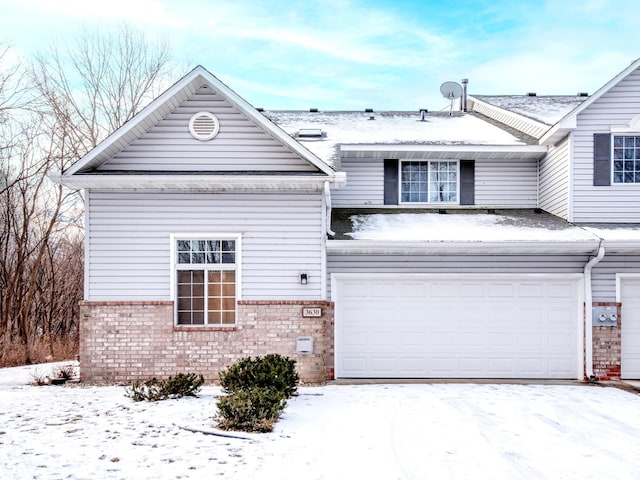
(366, 244)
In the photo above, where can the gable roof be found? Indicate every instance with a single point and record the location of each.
(569, 121)
(167, 102)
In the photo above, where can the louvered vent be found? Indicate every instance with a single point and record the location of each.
(204, 126)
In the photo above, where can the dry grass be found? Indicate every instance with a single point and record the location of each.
(41, 351)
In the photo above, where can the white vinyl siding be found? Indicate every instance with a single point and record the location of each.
(603, 276)
(128, 241)
(554, 180)
(365, 183)
(239, 146)
(445, 264)
(617, 202)
(506, 184)
(498, 183)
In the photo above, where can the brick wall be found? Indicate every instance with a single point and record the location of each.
(607, 353)
(125, 341)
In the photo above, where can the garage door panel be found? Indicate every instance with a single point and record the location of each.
(458, 328)
(630, 328)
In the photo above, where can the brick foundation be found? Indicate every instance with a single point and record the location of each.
(607, 355)
(125, 341)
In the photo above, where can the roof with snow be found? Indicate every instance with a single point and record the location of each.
(548, 109)
(388, 128)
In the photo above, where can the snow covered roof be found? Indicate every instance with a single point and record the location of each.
(548, 109)
(389, 128)
(507, 231)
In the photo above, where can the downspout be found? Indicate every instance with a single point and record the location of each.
(588, 304)
(326, 230)
(327, 203)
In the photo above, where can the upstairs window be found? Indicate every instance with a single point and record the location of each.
(206, 281)
(429, 182)
(626, 159)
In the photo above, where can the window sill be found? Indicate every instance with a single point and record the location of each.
(205, 328)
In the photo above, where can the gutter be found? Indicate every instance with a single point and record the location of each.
(588, 305)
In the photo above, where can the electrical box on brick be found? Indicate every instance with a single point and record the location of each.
(604, 316)
(304, 345)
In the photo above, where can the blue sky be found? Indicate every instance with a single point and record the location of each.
(341, 54)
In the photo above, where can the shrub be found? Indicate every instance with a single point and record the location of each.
(271, 371)
(254, 410)
(177, 386)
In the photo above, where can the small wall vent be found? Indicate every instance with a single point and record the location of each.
(204, 126)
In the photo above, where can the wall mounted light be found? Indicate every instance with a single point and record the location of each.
(303, 279)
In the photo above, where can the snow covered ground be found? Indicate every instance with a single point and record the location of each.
(390, 432)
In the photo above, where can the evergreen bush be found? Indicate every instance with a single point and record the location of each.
(177, 386)
(257, 391)
(254, 410)
(272, 371)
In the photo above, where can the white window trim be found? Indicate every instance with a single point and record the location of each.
(457, 162)
(174, 266)
(620, 133)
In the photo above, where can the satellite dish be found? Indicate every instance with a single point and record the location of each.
(451, 90)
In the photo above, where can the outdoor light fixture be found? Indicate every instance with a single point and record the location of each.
(303, 279)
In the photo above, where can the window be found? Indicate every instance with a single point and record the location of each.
(428, 182)
(626, 159)
(206, 281)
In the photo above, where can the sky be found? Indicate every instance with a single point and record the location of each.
(351, 55)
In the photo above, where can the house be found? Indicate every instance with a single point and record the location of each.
(366, 244)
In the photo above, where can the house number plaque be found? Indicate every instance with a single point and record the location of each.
(311, 311)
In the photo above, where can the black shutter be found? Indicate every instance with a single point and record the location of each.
(467, 182)
(391, 182)
(601, 159)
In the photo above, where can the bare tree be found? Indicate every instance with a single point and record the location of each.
(73, 99)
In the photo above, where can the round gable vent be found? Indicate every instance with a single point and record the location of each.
(204, 126)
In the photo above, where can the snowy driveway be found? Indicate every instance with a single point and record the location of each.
(443, 431)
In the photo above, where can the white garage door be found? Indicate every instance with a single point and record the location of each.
(489, 326)
(630, 326)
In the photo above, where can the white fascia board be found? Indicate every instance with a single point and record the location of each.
(461, 247)
(516, 116)
(570, 120)
(207, 182)
(622, 246)
(534, 150)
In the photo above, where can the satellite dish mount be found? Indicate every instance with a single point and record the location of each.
(451, 91)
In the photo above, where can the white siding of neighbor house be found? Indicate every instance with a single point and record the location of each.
(498, 183)
(128, 243)
(554, 180)
(617, 202)
(516, 264)
(603, 275)
(239, 146)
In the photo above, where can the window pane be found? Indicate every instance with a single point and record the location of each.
(228, 245)
(184, 245)
(197, 257)
(228, 318)
(228, 303)
(228, 258)
(215, 304)
(229, 276)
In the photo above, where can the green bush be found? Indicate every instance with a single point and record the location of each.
(152, 390)
(254, 410)
(271, 371)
